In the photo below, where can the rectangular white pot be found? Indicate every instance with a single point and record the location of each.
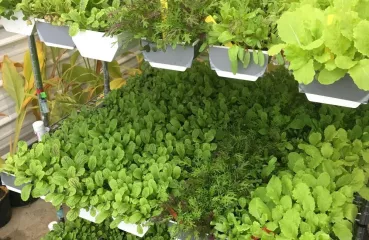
(220, 62)
(342, 93)
(54, 36)
(18, 26)
(126, 227)
(94, 45)
(178, 59)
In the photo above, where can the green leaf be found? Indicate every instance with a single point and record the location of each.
(73, 214)
(242, 202)
(323, 198)
(307, 236)
(306, 73)
(342, 231)
(274, 189)
(326, 150)
(135, 218)
(246, 59)
(345, 62)
(137, 173)
(226, 37)
(361, 37)
(290, 223)
(176, 172)
(324, 179)
(291, 28)
(286, 202)
(233, 57)
(360, 74)
(180, 149)
(364, 193)
(26, 191)
(259, 210)
(92, 163)
(330, 132)
(102, 216)
(328, 77)
(350, 212)
(315, 138)
(275, 49)
(261, 58)
(255, 57)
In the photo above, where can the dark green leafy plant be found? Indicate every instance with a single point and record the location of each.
(170, 23)
(7, 8)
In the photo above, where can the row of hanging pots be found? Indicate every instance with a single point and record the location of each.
(95, 45)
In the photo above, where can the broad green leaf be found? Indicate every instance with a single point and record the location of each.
(290, 223)
(226, 37)
(326, 150)
(137, 173)
(73, 214)
(176, 172)
(350, 212)
(360, 74)
(135, 218)
(274, 189)
(364, 193)
(259, 210)
(275, 49)
(233, 57)
(246, 59)
(323, 198)
(26, 191)
(291, 28)
(286, 202)
(306, 73)
(261, 58)
(330, 132)
(315, 138)
(328, 77)
(361, 37)
(102, 216)
(324, 179)
(307, 236)
(342, 231)
(345, 62)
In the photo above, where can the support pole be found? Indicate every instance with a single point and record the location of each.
(38, 80)
(106, 78)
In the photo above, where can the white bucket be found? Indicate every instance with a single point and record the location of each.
(51, 225)
(39, 129)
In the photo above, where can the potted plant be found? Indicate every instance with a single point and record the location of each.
(327, 51)
(14, 20)
(89, 24)
(169, 30)
(50, 27)
(5, 208)
(239, 36)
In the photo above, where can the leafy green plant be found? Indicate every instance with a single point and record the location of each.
(90, 15)
(314, 199)
(329, 43)
(7, 8)
(49, 10)
(165, 23)
(246, 27)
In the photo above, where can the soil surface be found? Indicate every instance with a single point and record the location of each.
(29, 222)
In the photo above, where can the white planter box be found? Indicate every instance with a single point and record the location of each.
(342, 93)
(126, 227)
(95, 45)
(8, 179)
(178, 59)
(54, 36)
(18, 26)
(220, 62)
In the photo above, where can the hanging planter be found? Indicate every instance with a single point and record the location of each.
(19, 25)
(126, 227)
(343, 92)
(178, 59)
(95, 45)
(54, 36)
(5, 208)
(221, 63)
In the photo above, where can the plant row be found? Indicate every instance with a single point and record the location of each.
(329, 42)
(219, 157)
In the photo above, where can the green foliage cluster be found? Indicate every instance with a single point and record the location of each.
(81, 229)
(90, 15)
(330, 41)
(243, 26)
(7, 8)
(313, 199)
(164, 23)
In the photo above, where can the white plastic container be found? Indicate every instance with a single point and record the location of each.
(54, 36)
(94, 45)
(126, 227)
(39, 129)
(219, 61)
(51, 225)
(18, 26)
